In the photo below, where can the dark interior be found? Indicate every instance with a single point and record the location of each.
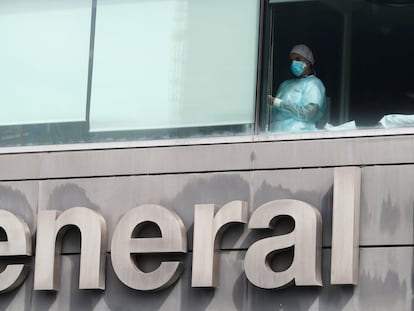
(382, 68)
(382, 44)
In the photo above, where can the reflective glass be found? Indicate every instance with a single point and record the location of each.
(166, 64)
(44, 60)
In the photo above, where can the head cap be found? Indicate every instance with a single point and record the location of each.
(304, 51)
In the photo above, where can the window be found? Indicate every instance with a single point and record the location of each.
(381, 66)
(89, 71)
(44, 64)
(362, 54)
(44, 61)
(174, 64)
(84, 71)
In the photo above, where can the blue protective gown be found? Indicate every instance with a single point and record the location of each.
(303, 104)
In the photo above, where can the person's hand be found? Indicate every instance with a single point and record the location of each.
(274, 101)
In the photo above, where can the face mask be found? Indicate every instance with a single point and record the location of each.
(297, 67)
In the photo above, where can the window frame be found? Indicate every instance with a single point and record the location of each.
(257, 134)
(344, 104)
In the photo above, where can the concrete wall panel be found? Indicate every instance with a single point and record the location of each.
(112, 182)
(113, 197)
(209, 158)
(386, 201)
(385, 283)
(21, 199)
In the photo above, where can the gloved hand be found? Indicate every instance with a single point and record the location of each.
(274, 101)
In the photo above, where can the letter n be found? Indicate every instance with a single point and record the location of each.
(51, 228)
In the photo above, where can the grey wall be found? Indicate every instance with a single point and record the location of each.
(115, 181)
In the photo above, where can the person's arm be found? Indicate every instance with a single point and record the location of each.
(303, 113)
(308, 108)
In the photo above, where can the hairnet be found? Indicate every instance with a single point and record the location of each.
(304, 51)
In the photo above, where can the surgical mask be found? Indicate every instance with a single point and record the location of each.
(297, 67)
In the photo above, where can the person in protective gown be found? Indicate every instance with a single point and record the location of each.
(301, 102)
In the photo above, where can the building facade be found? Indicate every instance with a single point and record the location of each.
(178, 155)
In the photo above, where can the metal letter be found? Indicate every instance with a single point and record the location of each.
(209, 226)
(173, 240)
(19, 243)
(51, 228)
(345, 225)
(306, 239)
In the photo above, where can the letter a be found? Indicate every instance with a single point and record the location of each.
(306, 239)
